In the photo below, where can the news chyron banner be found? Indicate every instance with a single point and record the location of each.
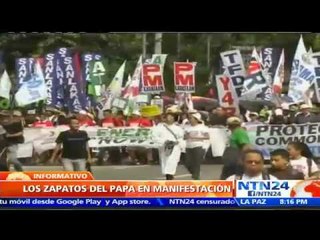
(63, 190)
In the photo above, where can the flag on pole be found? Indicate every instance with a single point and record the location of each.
(5, 85)
(279, 76)
(34, 89)
(114, 89)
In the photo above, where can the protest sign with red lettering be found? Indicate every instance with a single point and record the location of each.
(184, 77)
(228, 97)
(152, 80)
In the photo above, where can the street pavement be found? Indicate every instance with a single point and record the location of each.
(139, 172)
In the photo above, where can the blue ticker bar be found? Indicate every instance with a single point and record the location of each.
(144, 203)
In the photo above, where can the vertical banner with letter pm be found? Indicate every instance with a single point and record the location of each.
(184, 77)
(152, 79)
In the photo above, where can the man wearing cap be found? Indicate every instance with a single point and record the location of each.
(239, 142)
(253, 116)
(304, 116)
(170, 138)
(196, 137)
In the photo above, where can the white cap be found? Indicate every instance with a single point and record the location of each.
(83, 112)
(254, 113)
(234, 120)
(197, 116)
(285, 106)
(304, 106)
(278, 112)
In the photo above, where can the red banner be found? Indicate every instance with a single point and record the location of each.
(184, 77)
(152, 80)
(116, 189)
(52, 175)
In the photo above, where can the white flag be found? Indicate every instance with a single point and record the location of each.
(5, 85)
(279, 76)
(294, 92)
(114, 88)
(33, 90)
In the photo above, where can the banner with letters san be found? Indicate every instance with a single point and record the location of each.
(61, 190)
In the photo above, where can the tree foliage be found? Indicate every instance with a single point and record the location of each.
(117, 47)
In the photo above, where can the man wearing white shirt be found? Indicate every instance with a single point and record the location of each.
(253, 166)
(197, 137)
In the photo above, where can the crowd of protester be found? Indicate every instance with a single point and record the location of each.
(240, 159)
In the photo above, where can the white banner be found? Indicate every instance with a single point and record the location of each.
(228, 97)
(232, 60)
(270, 137)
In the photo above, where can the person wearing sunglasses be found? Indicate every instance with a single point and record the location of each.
(253, 167)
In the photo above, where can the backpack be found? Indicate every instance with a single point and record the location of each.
(265, 176)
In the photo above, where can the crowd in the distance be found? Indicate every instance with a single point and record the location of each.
(185, 137)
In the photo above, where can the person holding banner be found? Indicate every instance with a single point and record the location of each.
(196, 137)
(75, 149)
(170, 136)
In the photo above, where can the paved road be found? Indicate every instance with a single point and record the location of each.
(142, 172)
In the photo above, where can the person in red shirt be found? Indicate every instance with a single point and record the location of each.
(120, 119)
(86, 119)
(42, 122)
(135, 119)
(114, 152)
(108, 120)
(139, 155)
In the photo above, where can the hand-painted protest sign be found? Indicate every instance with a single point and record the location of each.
(184, 77)
(152, 80)
(228, 98)
(123, 137)
(271, 137)
(233, 63)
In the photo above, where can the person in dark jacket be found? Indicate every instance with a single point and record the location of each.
(218, 117)
(281, 168)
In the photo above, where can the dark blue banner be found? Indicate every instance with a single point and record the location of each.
(270, 59)
(74, 97)
(55, 99)
(105, 203)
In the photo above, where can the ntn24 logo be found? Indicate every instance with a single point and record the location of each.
(291, 188)
(262, 185)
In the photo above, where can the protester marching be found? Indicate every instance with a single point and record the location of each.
(82, 122)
